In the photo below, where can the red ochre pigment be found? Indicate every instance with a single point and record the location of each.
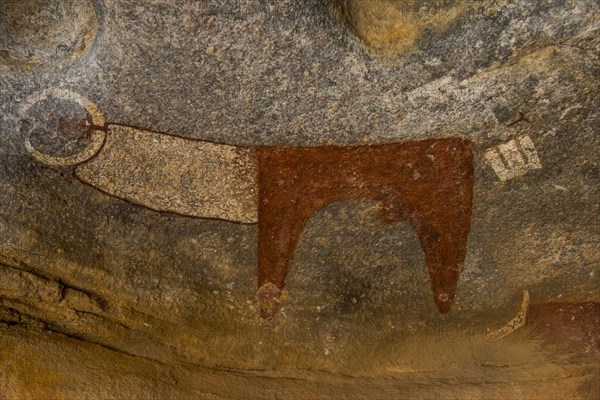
(574, 325)
(429, 183)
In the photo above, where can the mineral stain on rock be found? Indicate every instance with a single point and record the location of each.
(46, 35)
(392, 27)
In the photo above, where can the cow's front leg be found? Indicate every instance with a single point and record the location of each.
(282, 216)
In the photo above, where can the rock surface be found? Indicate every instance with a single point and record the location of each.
(105, 297)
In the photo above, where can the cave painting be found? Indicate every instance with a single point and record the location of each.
(513, 158)
(428, 183)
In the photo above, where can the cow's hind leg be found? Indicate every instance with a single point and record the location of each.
(441, 217)
(444, 249)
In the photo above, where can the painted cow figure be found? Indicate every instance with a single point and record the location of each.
(428, 183)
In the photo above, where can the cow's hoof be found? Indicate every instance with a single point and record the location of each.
(268, 298)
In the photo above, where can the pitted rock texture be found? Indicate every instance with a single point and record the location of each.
(46, 35)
